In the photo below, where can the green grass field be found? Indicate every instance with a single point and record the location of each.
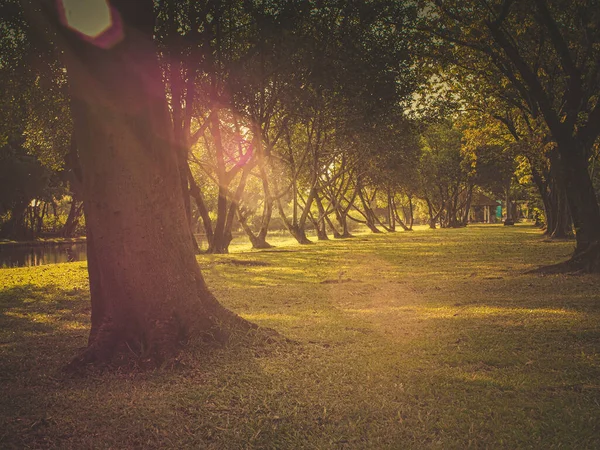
(430, 339)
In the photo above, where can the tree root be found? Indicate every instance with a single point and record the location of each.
(161, 342)
(100, 349)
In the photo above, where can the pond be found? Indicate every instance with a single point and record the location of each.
(37, 255)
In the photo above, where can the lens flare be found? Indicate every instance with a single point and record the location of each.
(95, 21)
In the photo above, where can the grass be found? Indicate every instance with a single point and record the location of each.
(431, 339)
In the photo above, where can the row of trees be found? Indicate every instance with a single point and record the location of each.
(296, 109)
(279, 104)
(258, 90)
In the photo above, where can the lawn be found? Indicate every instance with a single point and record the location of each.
(430, 339)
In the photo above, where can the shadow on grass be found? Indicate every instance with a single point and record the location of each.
(39, 323)
(41, 328)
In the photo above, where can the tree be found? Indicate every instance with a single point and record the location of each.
(547, 51)
(495, 113)
(146, 287)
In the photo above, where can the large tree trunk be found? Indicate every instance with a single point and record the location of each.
(147, 289)
(391, 211)
(292, 225)
(258, 240)
(398, 219)
(583, 205)
(341, 217)
(561, 226)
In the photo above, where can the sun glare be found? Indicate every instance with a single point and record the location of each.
(94, 20)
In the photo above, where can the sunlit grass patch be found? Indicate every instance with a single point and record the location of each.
(429, 339)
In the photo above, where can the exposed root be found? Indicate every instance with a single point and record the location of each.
(101, 348)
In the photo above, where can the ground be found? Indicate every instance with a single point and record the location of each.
(430, 339)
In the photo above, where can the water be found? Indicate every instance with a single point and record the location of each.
(23, 256)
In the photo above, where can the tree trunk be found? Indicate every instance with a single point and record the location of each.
(391, 212)
(147, 289)
(369, 215)
(509, 220)
(231, 212)
(465, 218)
(319, 225)
(411, 218)
(68, 229)
(542, 182)
(399, 220)
(320, 222)
(340, 216)
(562, 226)
(39, 219)
(259, 240)
(583, 205)
(196, 193)
(342, 219)
(432, 216)
(217, 245)
(297, 232)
